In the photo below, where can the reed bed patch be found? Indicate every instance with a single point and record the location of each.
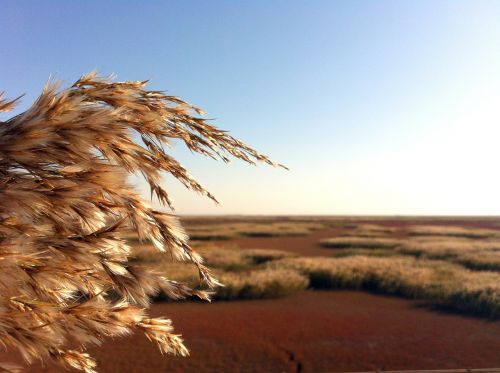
(483, 261)
(439, 283)
(234, 259)
(261, 284)
(448, 246)
(433, 230)
(456, 243)
(212, 232)
(241, 272)
(280, 229)
(211, 236)
(353, 242)
(456, 272)
(233, 230)
(471, 253)
(371, 230)
(260, 256)
(366, 252)
(228, 258)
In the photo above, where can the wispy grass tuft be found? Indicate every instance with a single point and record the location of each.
(65, 275)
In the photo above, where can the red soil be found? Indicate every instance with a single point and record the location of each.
(310, 332)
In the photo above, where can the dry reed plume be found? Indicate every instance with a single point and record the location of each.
(65, 275)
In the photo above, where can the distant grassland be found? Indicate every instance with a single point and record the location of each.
(454, 267)
(480, 251)
(220, 232)
(234, 230)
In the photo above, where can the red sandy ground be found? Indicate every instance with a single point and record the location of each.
(314, 331)
(310, 332)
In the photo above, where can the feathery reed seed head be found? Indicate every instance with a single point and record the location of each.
(65, 204)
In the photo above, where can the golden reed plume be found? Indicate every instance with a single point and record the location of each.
(65, 277)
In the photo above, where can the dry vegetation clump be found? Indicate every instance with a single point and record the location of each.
(359, 243)
(381, 252)
(434, 230)
(456, 243)
(234, 259)
(261, 284)
(476, 249)
(211, 232)
(371, 230)
(482, 261)
(221, 232)
(66, 203)
(240, 271)
(279, 229)
(478, 254)
(260, 256)
(208, 232)
(227, 258)
(437, 282)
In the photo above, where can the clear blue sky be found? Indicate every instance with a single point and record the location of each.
(377, 107)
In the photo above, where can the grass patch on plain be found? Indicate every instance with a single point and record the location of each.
(261, 284)
(241, 271)
(478, 254)
(371, 230)
(367, 252)
(434, 230)
(353, 242)
(205, 232)
(437, 282)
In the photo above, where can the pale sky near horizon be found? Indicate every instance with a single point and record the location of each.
(377, 107)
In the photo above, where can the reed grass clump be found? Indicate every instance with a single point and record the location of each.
(477, 254)
(382, 252)
(231, 258)
(228, 258)
(371, 230)
(439, 283)
(219, 232)
(261, 256)
(359, 243)
(482, 261)
(65, 203)
(261, 284)
(241, 272)
(434, 230)
(279, 229)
